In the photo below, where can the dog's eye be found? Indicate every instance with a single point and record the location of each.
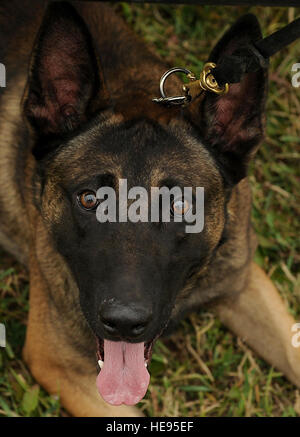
(180, 207)
(87, 200)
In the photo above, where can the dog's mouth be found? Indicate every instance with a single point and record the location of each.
(123, 377)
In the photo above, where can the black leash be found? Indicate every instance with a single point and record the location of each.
(252, 58)
(217, 78)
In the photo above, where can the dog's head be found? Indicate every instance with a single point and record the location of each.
(131, 274)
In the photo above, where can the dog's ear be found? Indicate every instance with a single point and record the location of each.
(65, 84)
(232, 124)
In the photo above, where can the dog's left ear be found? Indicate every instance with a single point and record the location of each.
(232, 124)
(65, 83)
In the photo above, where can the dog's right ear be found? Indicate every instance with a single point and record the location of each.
(65, 84)
(232, 125)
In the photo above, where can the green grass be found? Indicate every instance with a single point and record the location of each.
(203, 370)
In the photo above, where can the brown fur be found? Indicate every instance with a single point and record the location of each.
(246, 299)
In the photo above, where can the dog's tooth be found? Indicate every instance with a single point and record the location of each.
(100, 362)
(146, 364)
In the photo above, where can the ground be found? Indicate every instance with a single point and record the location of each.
(203, 370)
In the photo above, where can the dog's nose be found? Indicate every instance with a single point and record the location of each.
(125, 321)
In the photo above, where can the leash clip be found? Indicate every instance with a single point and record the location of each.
(173, 100)
(192, 89)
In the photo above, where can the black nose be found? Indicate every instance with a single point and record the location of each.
(125, 321)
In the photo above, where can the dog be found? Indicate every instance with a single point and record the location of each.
(77, 114)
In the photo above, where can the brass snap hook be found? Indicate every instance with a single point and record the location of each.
(194, 88)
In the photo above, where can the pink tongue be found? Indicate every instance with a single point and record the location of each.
(124, 378)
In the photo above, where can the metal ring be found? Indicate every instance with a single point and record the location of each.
(176, 100)
(166, 75)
